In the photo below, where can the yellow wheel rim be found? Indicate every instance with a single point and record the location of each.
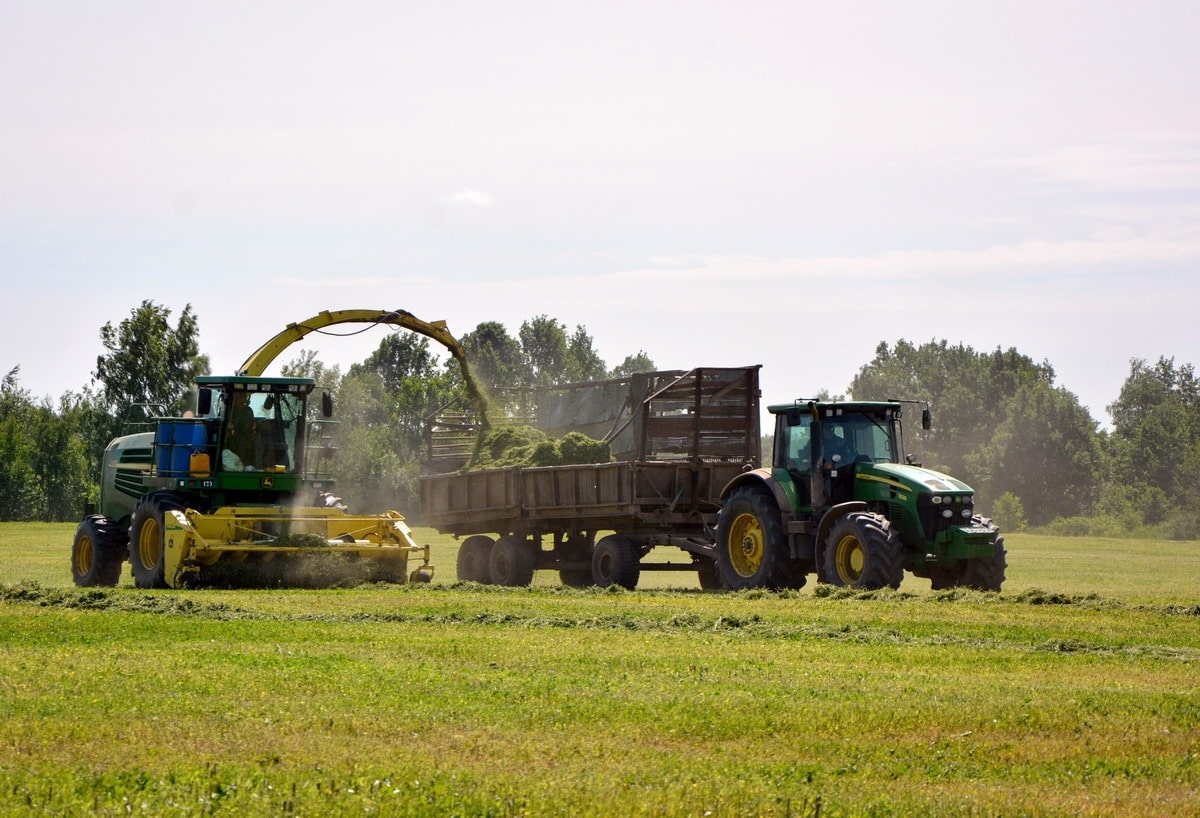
(745, 545)
(849, 559)
(150, 543)
(83, 556)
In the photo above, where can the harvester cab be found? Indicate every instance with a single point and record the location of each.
(246, 444)
(841, 499)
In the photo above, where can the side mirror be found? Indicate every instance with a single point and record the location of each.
(926, 419)
(204, 402)
(326, 405)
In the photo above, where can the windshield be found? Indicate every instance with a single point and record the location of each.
(859, 438)
(262, 431)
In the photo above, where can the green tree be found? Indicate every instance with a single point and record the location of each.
(999, 423)
(1155, 444)
(18, 478)
(382, 404)
(64, 475)
(495, 356)
(1046, 452)
(583, 362)
(969, 392)
(544, 348)
(633, 364)
(1008, 512)
(308, 365)
(44, 470)
(1156, 423)
(148, 360)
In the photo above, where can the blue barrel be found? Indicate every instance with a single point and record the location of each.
(174, 442)
(162, 446)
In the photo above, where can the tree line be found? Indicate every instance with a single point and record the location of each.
(1033, 454)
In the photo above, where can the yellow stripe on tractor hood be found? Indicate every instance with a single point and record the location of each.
(911, 478)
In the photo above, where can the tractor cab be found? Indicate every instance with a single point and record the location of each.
(820, 445)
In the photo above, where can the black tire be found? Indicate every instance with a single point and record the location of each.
(751, 546)
(97, 552)
(147, 548)
(576, 577)
(981, 573)
(474, 558)
(512, 562)
(616, 561)
(863, 551)
(709, 575)
(577, 549)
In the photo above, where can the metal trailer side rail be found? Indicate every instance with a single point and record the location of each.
(655, 502)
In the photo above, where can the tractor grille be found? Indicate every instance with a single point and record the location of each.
(933, 519)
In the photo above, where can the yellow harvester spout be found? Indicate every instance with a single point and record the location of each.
(257, 363)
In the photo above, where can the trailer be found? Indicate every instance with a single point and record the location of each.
(677, 438)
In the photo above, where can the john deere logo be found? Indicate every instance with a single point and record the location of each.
(268, 482)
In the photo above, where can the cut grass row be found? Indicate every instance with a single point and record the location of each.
(1145, 570)
(461, 699)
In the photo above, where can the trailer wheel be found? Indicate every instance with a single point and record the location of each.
(578, 549)
(751, 546)
(615, 561)
(97, 553)
(863, 551)
(981, 573)
(709, 575)
(146, 548)
(512, 562)
(474, 557)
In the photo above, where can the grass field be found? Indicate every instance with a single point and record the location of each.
(1076, 691)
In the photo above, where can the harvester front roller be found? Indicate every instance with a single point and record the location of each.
(196, 545)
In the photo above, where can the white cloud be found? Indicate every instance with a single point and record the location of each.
(1129, 162)
(475, 198)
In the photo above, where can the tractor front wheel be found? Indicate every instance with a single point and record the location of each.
(863, 551)
(97, 553)
(980, 573)
(147, 549)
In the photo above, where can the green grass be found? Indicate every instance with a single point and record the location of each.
(1076, 691)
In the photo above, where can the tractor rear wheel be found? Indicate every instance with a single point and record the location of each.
(616, 561)
(512, 562)
(147, 550)
(474, 556)
(863, 551)
(97, 553)
(751, 546)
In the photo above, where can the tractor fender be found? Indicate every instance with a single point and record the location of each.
(832, 516)
(760, 477)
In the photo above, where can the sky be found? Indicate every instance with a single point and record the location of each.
(713, 183)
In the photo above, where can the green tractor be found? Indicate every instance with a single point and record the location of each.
(839, 501)
(234, 490)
